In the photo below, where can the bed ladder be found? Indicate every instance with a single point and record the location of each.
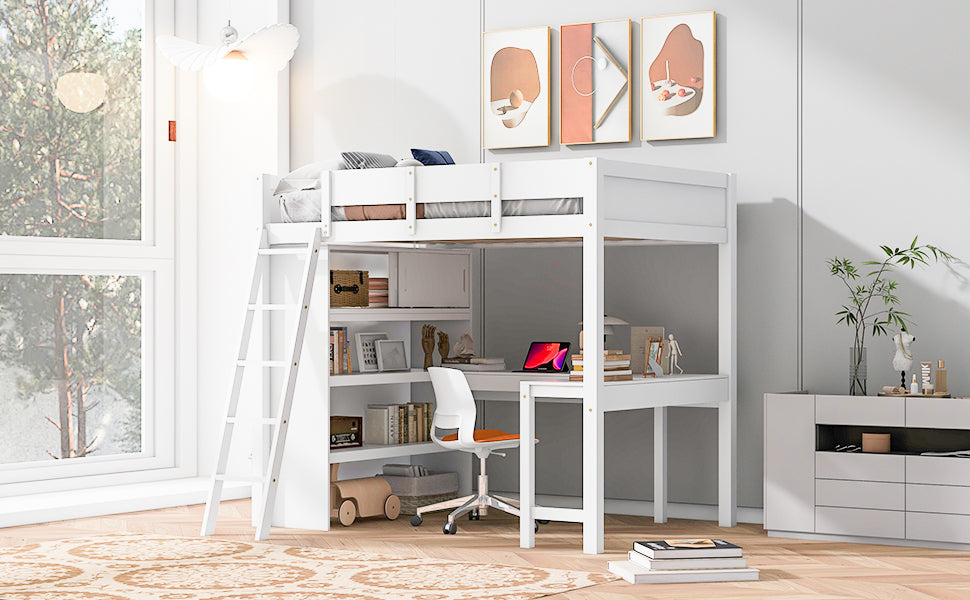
(263, 507)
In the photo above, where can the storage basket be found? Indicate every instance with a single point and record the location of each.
(415, 492)
(348, 288)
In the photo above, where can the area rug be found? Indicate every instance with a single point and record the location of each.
(137, 567)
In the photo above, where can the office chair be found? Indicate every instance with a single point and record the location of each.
(456, 410)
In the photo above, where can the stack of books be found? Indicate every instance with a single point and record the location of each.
(616, 366)
(377, 292)
(339, 351)
(398, 423)
(684, 561)
(478, 363)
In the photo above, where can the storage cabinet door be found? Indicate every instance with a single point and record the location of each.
(790, 462)
(433, 280)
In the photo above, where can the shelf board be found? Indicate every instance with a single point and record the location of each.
(379, 451)
(352, 379)
(362, 314)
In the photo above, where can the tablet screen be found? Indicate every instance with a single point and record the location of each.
(546, 356)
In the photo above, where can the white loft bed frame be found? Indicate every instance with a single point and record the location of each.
(623, 202)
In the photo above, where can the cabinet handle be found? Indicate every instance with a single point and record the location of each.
(463, 272)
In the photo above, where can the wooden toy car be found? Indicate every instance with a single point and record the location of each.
(364, 497)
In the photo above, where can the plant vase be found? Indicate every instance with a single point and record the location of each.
(857, 371)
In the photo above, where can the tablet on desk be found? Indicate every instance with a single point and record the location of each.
(546, 357)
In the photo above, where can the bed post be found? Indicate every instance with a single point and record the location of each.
(727, 340)
(593, 455)
(495, 191)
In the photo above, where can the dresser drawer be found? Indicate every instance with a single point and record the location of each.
(859, 521)
(940, 470)
(860, 494)
(938, 499)
(860, 467)
(938, 413)
(860, 410)
(938, 528)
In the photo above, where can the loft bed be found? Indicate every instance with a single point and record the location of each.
(606, 202)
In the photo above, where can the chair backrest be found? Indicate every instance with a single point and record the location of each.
(455, 405)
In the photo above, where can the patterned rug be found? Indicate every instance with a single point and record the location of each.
(136, 567)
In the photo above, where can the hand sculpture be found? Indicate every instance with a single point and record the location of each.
(427, 344)
(444, 346)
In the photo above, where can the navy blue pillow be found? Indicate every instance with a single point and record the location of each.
(432, 157)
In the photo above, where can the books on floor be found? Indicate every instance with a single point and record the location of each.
(684, 561)
(616, 366)
(398, 423)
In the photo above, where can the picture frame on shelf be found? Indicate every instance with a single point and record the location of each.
(367, 351)
(391, 355)
(652, 367)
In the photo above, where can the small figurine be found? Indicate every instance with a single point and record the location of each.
(903, 359)
(674, 353)
(465, 346)
(427, 344)
(444, 346)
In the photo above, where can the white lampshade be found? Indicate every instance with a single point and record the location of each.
(608, 324)
(230, 78)
(81, 92)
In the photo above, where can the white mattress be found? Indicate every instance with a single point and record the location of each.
(302, 206)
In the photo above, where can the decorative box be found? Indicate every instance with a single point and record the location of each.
(348, 288)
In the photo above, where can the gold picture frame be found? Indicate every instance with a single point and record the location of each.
(516, 102)
(654, 347)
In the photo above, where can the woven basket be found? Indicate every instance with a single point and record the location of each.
(410, 504)
(348, 288)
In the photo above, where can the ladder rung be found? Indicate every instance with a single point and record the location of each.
(277, 251)
(273, 306)
(260, 420)
(242, 478)
(262, 363)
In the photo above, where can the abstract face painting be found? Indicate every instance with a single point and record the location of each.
(515, 88)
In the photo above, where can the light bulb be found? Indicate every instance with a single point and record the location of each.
(229, 78)
(81, 92)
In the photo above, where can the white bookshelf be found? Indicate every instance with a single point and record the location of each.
(375, 378)
(382, 451)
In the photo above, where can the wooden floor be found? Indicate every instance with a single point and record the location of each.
(790, 569)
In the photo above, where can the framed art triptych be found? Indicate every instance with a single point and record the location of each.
(515, 88)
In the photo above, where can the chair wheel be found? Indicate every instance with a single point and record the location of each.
(474, 515)
(542, 521)
(416, 520)
(451, 528)
(536, 527)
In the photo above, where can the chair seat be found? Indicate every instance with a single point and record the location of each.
(484, 436)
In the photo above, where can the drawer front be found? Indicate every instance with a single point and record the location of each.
(860, 467)
(938, 528)
(938, 499)
(860, 410)
(860, 494)
(859, 521)
(938, 413)
(939, 470)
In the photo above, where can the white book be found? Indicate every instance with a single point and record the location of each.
(635, 573)
(687, 548)
(675, 564)
(480, 367)
(484, 360)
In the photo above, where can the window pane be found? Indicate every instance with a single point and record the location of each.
(70, 366)
(70, 118)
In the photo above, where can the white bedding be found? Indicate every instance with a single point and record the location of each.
(300, 206)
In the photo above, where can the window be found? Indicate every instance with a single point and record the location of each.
(85, 278)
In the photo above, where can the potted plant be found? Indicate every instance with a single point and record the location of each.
(873, 304)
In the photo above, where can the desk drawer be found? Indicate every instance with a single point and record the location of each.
(860, 467)
(858, 521)
(938, 528)
(860, 410)
(938, 499)
(860, 494)
(938, 413)
(939, 470)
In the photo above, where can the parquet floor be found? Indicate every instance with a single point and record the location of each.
(790, 569)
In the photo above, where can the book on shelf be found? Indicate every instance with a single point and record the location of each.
(456, 360)
(485, 360)
(339, 351)
(608, 366)
(574, 376)
(635, 573)
(394, 470)
(687, 548)
(480, 367)
(678, 564)
(397, 423)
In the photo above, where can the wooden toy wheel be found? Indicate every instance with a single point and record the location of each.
(392, 507)
(347, 513)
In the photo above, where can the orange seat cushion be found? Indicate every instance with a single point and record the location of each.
(485, 435)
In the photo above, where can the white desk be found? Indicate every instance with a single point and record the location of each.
(656, 393)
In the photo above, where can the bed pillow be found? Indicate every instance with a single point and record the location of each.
(367, 160)
(432, 157)
(307, 177)
(409, 162)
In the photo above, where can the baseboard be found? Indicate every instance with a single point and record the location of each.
(644, 508)
(856, 539)
(110, 500)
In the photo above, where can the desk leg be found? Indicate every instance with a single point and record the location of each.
(727, 451)
(660, 464)
(593, 487)
(527, 467)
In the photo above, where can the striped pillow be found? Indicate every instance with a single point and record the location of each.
(367, 160)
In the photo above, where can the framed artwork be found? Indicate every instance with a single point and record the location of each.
(515, 88)
(367, 351)
(391, 355)
(677, 76)
(595, 102)
(652, 367)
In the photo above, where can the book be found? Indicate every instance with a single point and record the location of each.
(635, 573)
(579, 377)
(484, 360)
(676, 564)
(471, 367)
(456, 360)
(606, 367)
(607, 355)
(687, 548)
(376, 426)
